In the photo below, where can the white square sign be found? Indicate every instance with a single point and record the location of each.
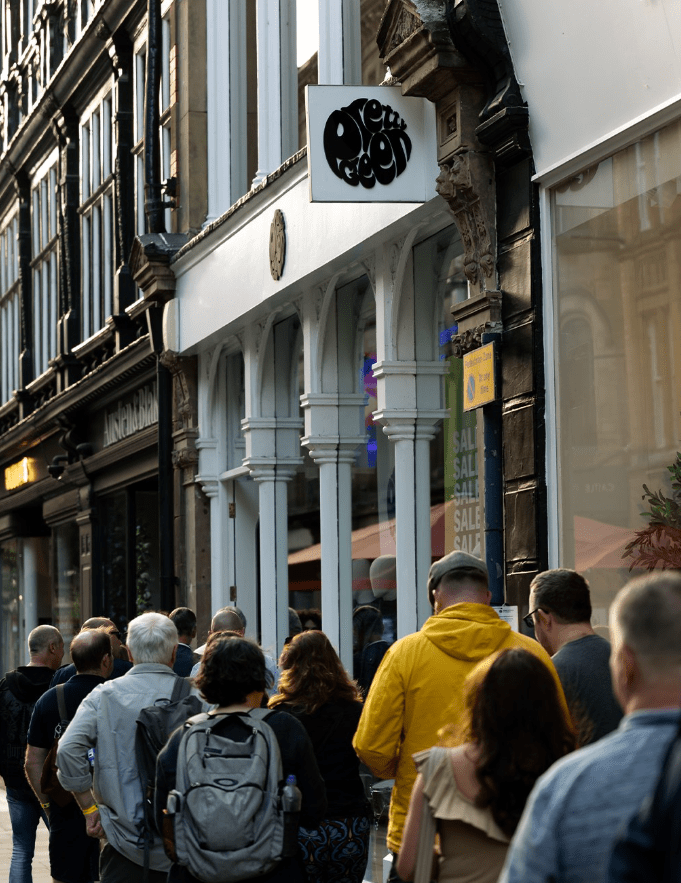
(369, 144)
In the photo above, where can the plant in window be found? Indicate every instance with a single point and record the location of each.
(659, 544)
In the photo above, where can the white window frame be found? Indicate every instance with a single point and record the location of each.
(10, 306)
(44, 263)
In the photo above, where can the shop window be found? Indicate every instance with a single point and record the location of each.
(12, 630)
(66, 610)
(10, 309)
(45, 263)
(455, 476)
(616, 240)
(129, 543)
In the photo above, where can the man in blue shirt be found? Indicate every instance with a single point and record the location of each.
(578, 807)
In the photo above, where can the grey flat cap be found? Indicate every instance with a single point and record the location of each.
(454, 561)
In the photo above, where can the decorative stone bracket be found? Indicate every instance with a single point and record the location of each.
(466, 183)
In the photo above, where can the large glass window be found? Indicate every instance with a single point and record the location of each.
(617, 274)
(130, 578)
(12, 631)
(66, 611)
(97, 195)
(44, 253)
(455, 486)
(10, 308)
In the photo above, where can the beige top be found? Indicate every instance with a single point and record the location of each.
(473, 846)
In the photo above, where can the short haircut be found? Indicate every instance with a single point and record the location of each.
(648, 612)
(152, 638)
(563, 592)
(461, 579)
(41, 637)
(228, 619)
(88, 649)
(184, 619)
(98, 622)
(295, 626)
(231, 668)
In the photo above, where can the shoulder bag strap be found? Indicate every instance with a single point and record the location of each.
(61, 703)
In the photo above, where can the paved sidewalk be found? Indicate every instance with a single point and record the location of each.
(41, 861)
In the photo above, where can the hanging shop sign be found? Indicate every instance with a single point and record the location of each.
(369, 144)
(131, 415)
(21, 473)
(479, 381)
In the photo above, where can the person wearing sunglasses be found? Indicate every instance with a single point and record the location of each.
(560, 613)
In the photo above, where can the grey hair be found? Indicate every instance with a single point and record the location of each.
(152, 638)
(648, 612)
(41, 637)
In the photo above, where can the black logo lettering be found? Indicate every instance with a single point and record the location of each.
(366, 142)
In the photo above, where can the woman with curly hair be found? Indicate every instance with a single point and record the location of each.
(315, 688)
(476, 791)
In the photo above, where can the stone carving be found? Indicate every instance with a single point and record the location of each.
(578, 181)
(469, 340)
(407, 23)
(185, 458)
(277, 245)
(466, 183)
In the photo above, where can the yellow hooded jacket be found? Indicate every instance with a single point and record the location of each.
(418, 686)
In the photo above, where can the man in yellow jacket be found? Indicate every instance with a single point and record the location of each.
(419, 685)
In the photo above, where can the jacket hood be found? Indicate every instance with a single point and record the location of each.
(24, 688)
(467, 631)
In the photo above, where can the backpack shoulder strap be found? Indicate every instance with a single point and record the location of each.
(181, 688)
(61, 703)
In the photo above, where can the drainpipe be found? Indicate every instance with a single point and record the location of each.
(153, 209)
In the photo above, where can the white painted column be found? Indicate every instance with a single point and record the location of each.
(340, 43)
(335, 515)
(273, 507)
(277, 84)
(225, 104)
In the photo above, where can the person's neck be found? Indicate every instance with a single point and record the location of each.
(654, 697)
(572, 631)
(36, 663)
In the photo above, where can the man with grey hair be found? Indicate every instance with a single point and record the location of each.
(422, 676)
(112, 802)
(560, 612)
(19, 691)
(578, 807)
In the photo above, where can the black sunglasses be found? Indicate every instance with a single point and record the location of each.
(527, 619)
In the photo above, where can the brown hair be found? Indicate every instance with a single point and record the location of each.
(517, 722)
(312, 674)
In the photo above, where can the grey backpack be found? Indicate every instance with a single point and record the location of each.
(224, 817)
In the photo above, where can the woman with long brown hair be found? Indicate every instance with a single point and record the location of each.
(515, 729)
(315, 688)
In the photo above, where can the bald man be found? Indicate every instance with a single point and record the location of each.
(121, 664)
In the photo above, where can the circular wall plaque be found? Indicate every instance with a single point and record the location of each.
(277, 245)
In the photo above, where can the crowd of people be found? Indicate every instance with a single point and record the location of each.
(515, 759)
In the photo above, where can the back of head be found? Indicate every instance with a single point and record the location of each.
(231, 668)
(184, 619)
(41, 637)
(648, 613)
(228, 619)
(383, 576)
(519, 726)
(88, 649)
(97, 622)
(563, 592)
(456, 578)
(152, 637)
(295, 626)
(312, 673)
(367, 626)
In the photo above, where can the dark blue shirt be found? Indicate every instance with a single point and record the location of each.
(184, 660)
(46, 717)
(66, 672)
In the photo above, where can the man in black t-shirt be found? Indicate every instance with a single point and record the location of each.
(560, 610)
(19, 691)
(74, 855)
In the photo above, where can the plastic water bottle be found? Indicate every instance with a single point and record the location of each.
(291, 799)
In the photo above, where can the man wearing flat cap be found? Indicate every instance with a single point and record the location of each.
(419, 685)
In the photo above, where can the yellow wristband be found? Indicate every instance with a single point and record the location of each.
(90, 810)
(45, 805)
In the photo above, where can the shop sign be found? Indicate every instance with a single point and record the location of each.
(479, 387)
(369, 144)
(21, 473)
(131, 417)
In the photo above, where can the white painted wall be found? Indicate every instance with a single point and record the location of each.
(228, 274)
(588, 69)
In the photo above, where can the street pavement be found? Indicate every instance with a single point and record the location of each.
(41, 861)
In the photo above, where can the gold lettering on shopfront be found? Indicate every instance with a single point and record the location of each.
(132, 417)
